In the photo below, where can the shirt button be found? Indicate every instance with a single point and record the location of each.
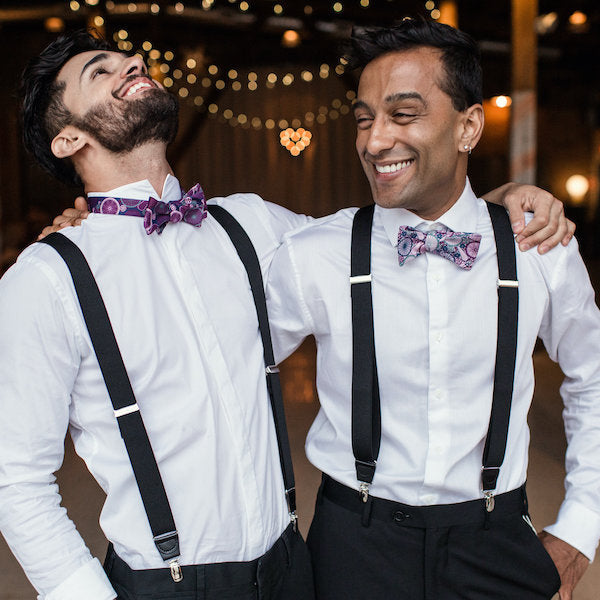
(428, 499)
(438, 450)
(438, 394)
(439, 337)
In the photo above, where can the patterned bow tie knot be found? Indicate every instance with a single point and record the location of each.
(460, 248)
(190, 209)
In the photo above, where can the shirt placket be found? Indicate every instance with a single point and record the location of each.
(438, 413)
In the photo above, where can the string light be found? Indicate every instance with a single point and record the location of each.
(295, 140)
(182, 78)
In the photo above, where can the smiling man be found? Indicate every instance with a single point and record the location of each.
(190, 462)
(423, 375)
(183, 315)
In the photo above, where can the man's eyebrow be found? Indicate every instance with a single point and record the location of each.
(359, 104)
(405, 96)
(95, 59)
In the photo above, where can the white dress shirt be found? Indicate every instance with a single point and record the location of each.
(182, 311)
(435, 337)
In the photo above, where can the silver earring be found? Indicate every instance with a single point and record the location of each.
(468, 149)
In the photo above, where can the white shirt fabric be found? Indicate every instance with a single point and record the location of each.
(435, 337)
(182, 312)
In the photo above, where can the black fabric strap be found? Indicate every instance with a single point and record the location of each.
(247, 254)
(506, 347)
(366, 414)
(122, 397)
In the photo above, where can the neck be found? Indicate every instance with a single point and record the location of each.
(101, 170)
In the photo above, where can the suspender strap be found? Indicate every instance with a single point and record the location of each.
(506, 349)
(123, 400)
(366, 414)
(247, 254)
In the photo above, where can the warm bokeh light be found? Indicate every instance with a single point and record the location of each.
(578, 18)
(577, 187)
(295, 140)
(290, 39)
(54, 24)
(502, 101)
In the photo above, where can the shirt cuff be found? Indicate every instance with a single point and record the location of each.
(578, 526)
(89, 582)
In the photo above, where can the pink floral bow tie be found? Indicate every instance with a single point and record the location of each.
(156, 213)
(460, 248)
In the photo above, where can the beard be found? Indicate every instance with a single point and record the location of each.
(120, 127)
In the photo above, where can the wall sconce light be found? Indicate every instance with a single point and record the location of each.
(577, 187)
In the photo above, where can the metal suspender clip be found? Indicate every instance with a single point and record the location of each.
(270, 369)
(290, 496)
(363, 490)
(489, 476)
(167, 545)
(510, 283)
(176, 573)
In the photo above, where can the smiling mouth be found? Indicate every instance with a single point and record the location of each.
(395, 167)
(137, 87)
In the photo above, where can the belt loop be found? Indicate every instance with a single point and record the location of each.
(366, 511)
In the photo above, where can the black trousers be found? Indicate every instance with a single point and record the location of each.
(283, 573)
(385, 550)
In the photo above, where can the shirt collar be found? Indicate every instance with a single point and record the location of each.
(461, 216)
(142, 190)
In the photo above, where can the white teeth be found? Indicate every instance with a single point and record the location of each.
(393, 168)
(137, 86)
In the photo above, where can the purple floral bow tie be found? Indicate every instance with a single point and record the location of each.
(156, 213)
(460, 248)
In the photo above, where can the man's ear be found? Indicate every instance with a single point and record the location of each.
(68, 142)
(472, 127)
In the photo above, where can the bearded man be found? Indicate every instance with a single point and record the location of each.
(194, 362)
(186, 326)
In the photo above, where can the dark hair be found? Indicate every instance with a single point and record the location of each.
(460, 54)
(44, 113)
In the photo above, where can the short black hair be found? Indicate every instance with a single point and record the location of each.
(43, 111)
(460, 54)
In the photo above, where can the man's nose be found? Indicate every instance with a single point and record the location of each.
(381, 137)
(133, 65)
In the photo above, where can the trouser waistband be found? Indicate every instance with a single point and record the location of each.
(213, 576)
(439, 515)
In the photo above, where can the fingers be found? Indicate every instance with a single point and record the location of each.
(81, 204)
(547, 228)
(570, 233)
(58, 224)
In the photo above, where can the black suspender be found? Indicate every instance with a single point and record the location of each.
(123, 400)
(366, 414)
(247, 254)
(506, 352)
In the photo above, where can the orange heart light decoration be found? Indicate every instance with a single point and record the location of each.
(295, 140)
